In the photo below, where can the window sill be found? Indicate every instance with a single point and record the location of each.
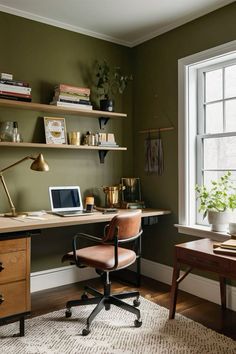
(202, 231)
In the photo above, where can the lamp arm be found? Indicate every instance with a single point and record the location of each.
(13, 209)
(18, 162)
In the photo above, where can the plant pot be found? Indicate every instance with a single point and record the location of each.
(107, 105)
(219, 220)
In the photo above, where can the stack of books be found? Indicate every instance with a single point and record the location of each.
(72, 96)
(227, 247)
(106, 140)
(14, 90)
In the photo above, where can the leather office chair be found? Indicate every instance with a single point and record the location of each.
(105, 257)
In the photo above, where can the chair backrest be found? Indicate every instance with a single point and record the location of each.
(128, 226)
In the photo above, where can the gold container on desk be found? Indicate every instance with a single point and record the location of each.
(112, 194)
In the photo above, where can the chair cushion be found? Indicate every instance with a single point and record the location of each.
(102, 257)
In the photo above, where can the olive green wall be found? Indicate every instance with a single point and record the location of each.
(156, 105)
(45, 55)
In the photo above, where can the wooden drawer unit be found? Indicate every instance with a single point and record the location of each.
(15, 279)
(9, 295)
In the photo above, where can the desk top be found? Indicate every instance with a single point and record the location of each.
(49, 221)
(204, 246)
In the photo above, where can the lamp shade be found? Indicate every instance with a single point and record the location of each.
(39, 164)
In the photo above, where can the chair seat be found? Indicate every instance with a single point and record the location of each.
(102, 257)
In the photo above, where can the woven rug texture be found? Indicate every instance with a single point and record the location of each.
(113, 332)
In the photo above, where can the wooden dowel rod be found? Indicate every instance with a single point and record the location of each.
(156, 130)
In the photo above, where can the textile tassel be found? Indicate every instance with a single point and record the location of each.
(148, 153)
(160, 155)
(154, 161)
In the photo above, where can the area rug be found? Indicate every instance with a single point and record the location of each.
(113, 332)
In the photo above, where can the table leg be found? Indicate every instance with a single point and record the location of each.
(174, 290)
(223, 292)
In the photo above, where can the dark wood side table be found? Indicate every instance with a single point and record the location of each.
(199, 254)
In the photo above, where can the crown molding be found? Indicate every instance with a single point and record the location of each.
(178, 23)
(104, 37)
(63, 25)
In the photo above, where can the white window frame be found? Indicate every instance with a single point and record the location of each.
(187, 130)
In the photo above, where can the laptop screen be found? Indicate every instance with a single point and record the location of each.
(66, 198)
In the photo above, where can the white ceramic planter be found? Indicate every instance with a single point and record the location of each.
(219, 220)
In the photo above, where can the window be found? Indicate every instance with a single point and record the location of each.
(216, 122)
(207, 125)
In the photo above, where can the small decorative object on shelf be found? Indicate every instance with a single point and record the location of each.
(9, 132)
(55, 130)
(109, 82)
(74, 138)
(72, 96)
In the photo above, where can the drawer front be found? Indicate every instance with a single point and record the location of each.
(14, 298)
(12, 266)
(12, 245)
(204, 261)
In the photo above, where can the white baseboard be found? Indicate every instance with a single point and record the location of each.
(52, 278)
(202, 287)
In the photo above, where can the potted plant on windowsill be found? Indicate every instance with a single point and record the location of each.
(109, 82)
(218, 202)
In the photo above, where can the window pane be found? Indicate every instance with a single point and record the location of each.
(230, 81)
(230, 115)
(220, 153)
(214, 118)
(214, 85)
(215, 175)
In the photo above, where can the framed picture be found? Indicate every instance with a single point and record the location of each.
(55, 130)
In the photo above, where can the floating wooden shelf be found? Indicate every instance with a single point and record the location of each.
(103, 117)
(31, 106)
(102, 150)
(60, 146)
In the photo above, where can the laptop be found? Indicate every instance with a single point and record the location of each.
(66, 201)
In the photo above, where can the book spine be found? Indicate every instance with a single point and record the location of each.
(14, 94)
(15, 83)
(15, 98)
(74, 96)
(16, 89)
(76, 101)
(74, 89)
(73, 105)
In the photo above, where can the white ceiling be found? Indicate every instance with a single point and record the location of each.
(126, 22)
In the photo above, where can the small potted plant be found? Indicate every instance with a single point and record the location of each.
(108, 83)
(218, 202)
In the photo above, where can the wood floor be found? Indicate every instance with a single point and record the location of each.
(197, 309)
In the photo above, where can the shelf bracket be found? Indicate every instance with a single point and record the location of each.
(103, 121)
(102, 155)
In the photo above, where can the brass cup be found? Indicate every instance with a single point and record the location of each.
(74, 138)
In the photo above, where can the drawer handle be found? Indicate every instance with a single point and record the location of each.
(1, 299)
(1, 266)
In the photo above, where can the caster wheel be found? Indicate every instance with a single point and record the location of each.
(84, 297)
(85, 332)
(136, 303)
(68, 313)
(138, 323)
(107, 307)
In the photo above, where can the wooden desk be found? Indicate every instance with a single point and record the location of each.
(49, 221)
(199, 254)
(15, 257)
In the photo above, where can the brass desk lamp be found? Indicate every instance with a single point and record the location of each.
(38, 165)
